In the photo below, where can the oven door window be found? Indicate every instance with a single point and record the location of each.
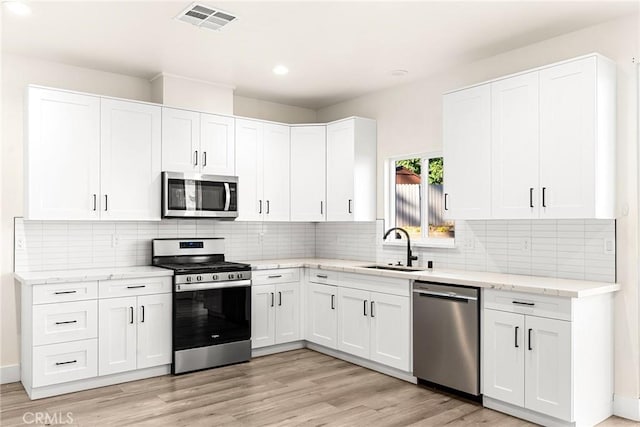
(182, 194)
(213, 196)
(213, 316)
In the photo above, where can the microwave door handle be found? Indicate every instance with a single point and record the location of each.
(227, 199)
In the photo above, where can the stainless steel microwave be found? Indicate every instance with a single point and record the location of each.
(199, 196)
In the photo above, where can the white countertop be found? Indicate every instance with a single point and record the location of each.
(61, 276)
(510, 282)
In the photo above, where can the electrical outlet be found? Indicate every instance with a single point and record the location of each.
(469, 243)
(115, 240)
(526, 245)
(609, 247)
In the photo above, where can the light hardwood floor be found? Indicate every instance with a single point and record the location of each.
(299, 387)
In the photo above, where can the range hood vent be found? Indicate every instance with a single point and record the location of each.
(204, 16)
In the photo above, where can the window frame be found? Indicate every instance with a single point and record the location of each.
(390, 204)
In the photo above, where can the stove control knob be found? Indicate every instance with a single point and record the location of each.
(199, 278)
(188, 278)
(214, 277)
(231, 276)
(239, 275)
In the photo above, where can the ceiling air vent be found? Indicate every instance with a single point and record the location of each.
(205, 16)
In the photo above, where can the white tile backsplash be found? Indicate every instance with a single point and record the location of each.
(572, 249)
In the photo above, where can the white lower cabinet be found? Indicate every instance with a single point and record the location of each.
(322, 317)
(134, 333)
(275, 314)
(548, 359)
(353, 322)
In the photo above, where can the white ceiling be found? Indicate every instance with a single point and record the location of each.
(334, 50)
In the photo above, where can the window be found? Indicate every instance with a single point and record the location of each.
(415, 199)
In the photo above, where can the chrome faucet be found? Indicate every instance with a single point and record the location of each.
(410, 257)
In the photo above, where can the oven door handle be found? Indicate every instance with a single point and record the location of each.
(189, 287)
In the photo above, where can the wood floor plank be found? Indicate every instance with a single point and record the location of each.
(296, 388)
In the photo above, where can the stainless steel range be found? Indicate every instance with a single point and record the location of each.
(211, 303)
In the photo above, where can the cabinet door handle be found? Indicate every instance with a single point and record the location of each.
(267, 207)
(333, 302)
(64, 292)
(365, 307)
(544, 202)
(142, 314)
(106, 202)
(350, 206)
(65, 363)
(372, 313)
(446, 198)
(516, 334)
(321, 208)
(260, 206)
(196, 158)
(136, 286)
(272, 299)
(530, 197)
(131, 312)
(66, 322)
(204, 158)
(529, 339)
(275, 276)
(279, 299)
(95, 202)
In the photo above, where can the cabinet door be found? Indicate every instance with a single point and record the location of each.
(353, 321)
(514, 147)
(116, 335)
(249, 170)
(567, 139)
(390, 326)
(340, 170)
(154, 330)
(308, 173)
(180, 140)
(217, 143)
(62, 156)
(263, 320)
(287, 312)
(130, 161)
(548, 367)
(321, 314)
(276, 152)
(503, 358)
(467, 153)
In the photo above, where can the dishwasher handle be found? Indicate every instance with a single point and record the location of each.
(444, 295)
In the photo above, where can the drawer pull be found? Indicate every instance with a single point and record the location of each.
(66, 363)
(529, 304)
(275, 276)
(136, 286)
(66, 322)
(64, 292)
(322, 276)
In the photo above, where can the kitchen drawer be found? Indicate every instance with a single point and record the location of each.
(67, 321)
(532, 304)
(376, 283)
(282, 275)
(326, 277)
(59, 363)
(133, 287)
(62, 292)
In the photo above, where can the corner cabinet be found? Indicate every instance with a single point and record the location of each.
(91, 158)
(351, 170)
(262, 166)
(535, 362)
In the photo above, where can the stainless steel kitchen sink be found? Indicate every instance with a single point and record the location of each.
(393, 268)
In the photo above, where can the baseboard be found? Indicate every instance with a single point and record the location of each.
(524, 414)
(278, 348)
(626, 407)
(9, 374)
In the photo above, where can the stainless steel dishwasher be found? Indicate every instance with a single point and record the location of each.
(446, 336)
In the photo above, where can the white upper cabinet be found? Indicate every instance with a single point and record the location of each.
(130, 160)
(514, 147)
(351, 170)
(62, 156)
(90, 158)
(197, 142)
(262, 166)
(467, 153)
(308, 173)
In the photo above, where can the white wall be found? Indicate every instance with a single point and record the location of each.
(182, 92)
(409, 121)
(259, 109)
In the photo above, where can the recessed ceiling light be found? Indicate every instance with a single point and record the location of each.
(280, 70)
(17, 7)
(399, 73)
